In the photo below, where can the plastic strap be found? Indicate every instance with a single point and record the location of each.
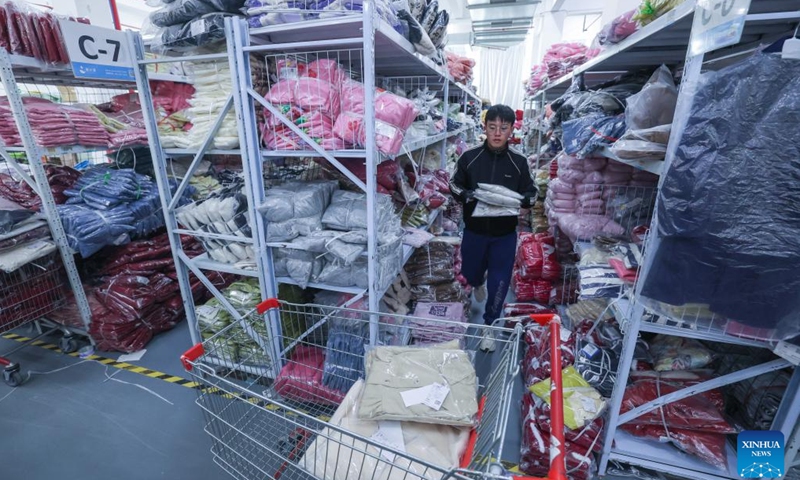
(661, 408)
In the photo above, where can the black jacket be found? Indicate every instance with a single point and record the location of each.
(484, 165)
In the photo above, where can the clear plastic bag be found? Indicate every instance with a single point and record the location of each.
(398, 380)
(655, 104)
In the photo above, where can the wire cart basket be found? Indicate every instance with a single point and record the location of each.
(290, 428)
(26, 295)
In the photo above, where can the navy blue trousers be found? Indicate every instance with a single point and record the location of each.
(492, 258)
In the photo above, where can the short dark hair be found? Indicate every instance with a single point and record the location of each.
(503, 112)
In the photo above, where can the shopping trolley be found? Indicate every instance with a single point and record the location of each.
(27, 294)
(262, 427)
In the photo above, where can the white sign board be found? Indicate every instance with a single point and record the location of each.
(97, 52)
(717, 24)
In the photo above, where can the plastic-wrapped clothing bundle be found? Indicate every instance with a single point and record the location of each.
(586, 227)
(224, 212)
(88, 230)
(316, 94)
(618, 30)
(702, 412)
(212, 83)
(392, 372)
(536, 363)
(334, 455)
(344, 350)
(53, 124)
(347, 211)
(582, 136)
(204, 31)
(535, 443)
(417, 34)
(745, 270)
(300, 379)
(182, 11)
(648, 144)
(460, 68)
(11, 214)
(425, 332)
(32, 33)
(33, 228)
(431, 264)
(582, 403)
(295, 208)
(655, 104)
(676, 353)
(707, 446)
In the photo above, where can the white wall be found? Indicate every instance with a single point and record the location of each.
(131, 12)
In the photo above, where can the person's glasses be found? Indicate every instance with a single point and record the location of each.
(498, 128)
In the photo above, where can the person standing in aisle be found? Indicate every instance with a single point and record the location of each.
(489, 244)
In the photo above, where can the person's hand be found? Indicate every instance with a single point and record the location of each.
(469, 196)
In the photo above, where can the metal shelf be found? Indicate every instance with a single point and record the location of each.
(666, 458)
(409, 146)
(323, 286)
(187, 152)
(394, 54)
(666, 40)
(652, 166)
(203, 262)
(32, 70)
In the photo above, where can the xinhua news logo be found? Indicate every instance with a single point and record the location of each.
(760, 454)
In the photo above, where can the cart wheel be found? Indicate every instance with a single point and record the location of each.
(12, 377)
(68, 344)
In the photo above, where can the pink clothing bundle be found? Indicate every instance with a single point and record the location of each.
(316, 94)
(352, 96)
(350, 128)
(561, 58)
(395, 110)
(460, 68)
(537, 80)
(327, 70)
(54, 125)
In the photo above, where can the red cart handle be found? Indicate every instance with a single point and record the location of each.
(191, 356)
(267, 305)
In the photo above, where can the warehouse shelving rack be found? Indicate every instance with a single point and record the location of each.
(380, 55)
(22, 74)
(666, 41)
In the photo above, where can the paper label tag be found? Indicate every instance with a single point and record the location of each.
(789, 352)
(390, 434)
(384, 129)
(564, 334)
(589, 350)
(791, 49)
(588, 405)
(198, 27)
(415, 396)
(288, 73)
(436, 396)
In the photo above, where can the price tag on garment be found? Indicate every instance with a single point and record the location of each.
(589, 350)
(390, 434)
(415, 396)
(564, 334)
(717, 24)
(198, 27)
(788, 351)
(436, 396)
(97, 53)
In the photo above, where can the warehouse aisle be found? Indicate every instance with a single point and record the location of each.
(76, 423)
(93, 428)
